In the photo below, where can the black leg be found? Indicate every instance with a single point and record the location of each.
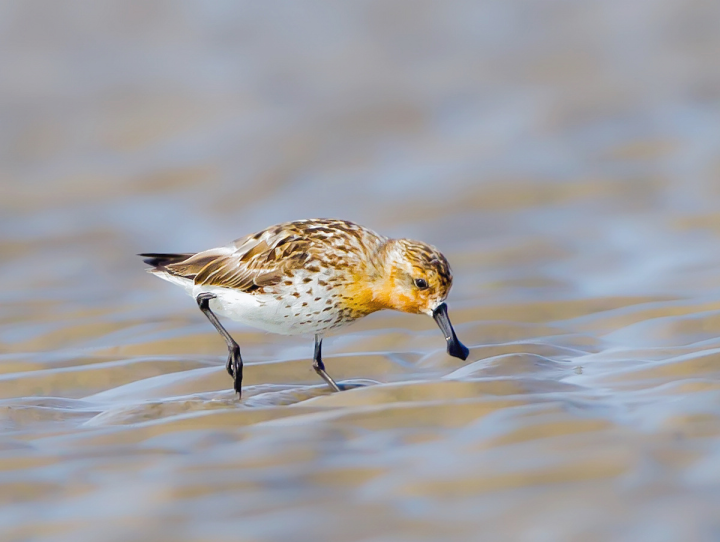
(319, 366)
(234, 364)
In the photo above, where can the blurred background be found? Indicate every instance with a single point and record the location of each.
(564, 155)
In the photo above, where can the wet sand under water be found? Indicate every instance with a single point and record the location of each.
(583, 229)
(568, 412)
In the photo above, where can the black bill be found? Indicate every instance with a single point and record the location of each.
(454, 347)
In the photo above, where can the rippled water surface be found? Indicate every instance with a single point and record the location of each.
(565, 156)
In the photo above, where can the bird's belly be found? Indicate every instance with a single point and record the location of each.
(279, 313)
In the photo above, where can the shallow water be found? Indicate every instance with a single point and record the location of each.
(564, 156)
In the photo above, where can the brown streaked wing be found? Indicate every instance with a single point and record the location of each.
(192, 266)
(257, 262)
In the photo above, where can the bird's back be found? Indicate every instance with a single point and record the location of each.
(262, 260)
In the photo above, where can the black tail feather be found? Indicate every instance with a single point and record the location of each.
(158, 261)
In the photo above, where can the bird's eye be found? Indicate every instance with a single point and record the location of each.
(421, 283)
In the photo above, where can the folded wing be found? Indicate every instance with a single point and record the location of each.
(250, 263)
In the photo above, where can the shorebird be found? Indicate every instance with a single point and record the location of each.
(310, 277)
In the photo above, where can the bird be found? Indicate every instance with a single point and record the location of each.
(311, 277)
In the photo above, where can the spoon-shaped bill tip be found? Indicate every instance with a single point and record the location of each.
(454, 347)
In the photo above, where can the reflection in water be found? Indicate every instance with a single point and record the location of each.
(564, 158)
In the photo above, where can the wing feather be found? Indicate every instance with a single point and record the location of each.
(250, 263)
(269, 257)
